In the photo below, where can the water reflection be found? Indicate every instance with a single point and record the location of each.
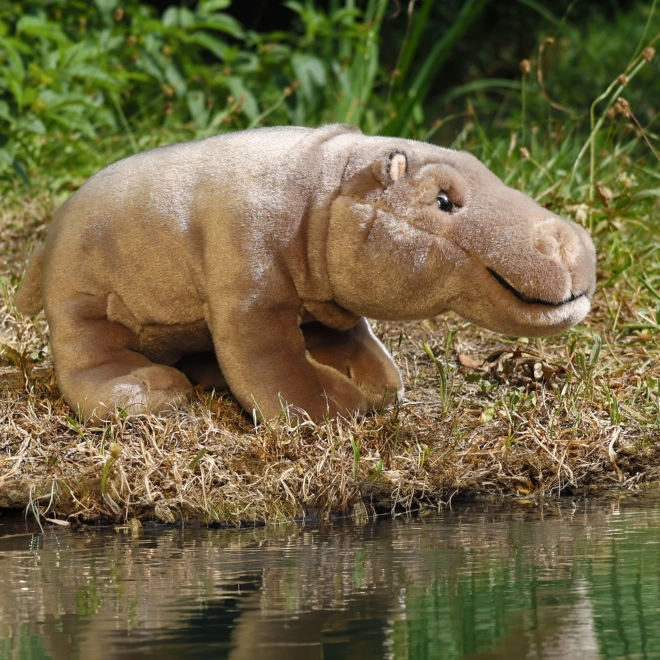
(479, 581)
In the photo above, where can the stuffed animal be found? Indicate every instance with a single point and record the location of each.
(250, 261)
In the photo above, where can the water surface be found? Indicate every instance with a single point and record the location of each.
(578, 579)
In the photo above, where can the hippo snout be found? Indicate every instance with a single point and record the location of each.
(549, 261)
(569, 247)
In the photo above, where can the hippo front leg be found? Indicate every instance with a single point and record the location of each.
(263, 358)
(358, 354)
(355, 353)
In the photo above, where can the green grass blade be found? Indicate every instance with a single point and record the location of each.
(481, 85)
(364, 69)
(431, 66)
(543, 11)
(411, 41)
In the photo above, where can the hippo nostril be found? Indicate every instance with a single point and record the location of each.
(556, 239)
(547, 245)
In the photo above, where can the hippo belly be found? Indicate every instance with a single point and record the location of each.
(165, 344)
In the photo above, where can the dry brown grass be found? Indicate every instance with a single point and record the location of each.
(538, 419)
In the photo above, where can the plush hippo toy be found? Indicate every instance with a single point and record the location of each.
(250, 261)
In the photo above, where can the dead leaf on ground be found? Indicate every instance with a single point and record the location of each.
(468, 362)
(521, 368)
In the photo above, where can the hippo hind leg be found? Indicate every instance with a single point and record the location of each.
(203, 369)
(358, 354)
(98, 366)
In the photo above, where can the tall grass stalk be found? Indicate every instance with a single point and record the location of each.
(445, 389)
(417, 89)
(524, 70)
(612, 93)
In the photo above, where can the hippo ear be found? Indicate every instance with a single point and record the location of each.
(393, 167)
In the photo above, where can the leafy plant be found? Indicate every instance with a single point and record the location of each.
(82, 84)
(73, 73)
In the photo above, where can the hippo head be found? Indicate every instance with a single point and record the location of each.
(417, 230)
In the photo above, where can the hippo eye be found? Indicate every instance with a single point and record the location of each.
(444, 203)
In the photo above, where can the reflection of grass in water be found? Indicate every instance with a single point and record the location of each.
(25, 645)
(88, 599)
(594, 591)
(513, 581)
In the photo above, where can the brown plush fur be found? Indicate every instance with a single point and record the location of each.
(266, 248)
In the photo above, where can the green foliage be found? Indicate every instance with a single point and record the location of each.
(85, 83)
(585, 58)
(409, 87)
(82, 83)
(73, 72)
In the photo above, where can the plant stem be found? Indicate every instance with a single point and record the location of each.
(595, 126)
(523, 90)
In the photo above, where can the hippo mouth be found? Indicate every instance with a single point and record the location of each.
(527, 299)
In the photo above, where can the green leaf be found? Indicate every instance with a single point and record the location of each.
(198, 457)
(152, 27)
(20, 45)
(15, 61)
(38, 27)
(21, 170)
(7, 155)
(179, 17)
(310, 71)
(4, 112)
(649, 287)
(222, 23)
(197, 105)
(411, 44)
(106, 6)
(174, 78)
(249, 103)
(342, 78)
(54, 100)
(211, 6)
(29, 95)
(651, 192)
(31, 125)
(91, 72)
(73, 122)
(15, 85)
(543, 11)
(150, 65)
(79, 53)
(481, 85)
(212, 44)
(295, 7)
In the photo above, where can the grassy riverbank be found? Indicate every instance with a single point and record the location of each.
(484, 415)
